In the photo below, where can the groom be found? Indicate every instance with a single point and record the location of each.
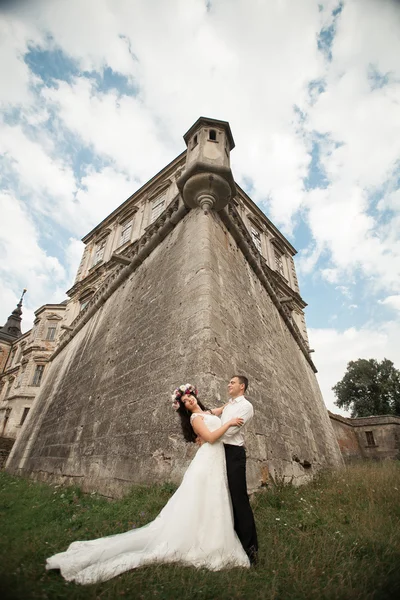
(235, 454)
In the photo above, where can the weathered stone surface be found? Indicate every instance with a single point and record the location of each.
(193, 311)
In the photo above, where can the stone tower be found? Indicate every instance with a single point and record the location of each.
(186, 281)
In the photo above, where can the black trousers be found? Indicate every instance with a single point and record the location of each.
(245, 526)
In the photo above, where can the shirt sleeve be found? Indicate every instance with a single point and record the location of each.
(245, 411)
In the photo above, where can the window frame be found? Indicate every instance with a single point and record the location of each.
(37, 375)
(370, 438)
(123, 237)
(99, 252)
(54, 329)
(256, 237)
(155, 204)
(25, 413)
(279, 264)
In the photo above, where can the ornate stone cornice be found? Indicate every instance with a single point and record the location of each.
(239, 231)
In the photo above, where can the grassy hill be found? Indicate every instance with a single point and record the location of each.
(337, 538)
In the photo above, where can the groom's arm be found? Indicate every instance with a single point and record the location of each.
(246, 412)
(218, 411)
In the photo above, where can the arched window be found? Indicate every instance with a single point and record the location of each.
(212, 135)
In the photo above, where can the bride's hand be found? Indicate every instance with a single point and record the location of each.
(236, 422)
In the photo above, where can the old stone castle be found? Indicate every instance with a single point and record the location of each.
(186, 281)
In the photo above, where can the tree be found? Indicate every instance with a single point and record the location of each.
(369, 387)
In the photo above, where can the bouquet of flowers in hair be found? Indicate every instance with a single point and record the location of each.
(182, 390)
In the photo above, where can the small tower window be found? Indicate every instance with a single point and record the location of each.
(194, 141)
(212, 135)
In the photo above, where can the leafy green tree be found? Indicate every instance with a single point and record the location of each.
(369, 387)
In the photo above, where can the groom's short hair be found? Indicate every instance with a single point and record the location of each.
(242, 379)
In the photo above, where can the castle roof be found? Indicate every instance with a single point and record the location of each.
(12, 329)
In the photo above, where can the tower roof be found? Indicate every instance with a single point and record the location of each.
(12, 329)
(205, 121)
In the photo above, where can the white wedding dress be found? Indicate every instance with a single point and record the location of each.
(194, 528)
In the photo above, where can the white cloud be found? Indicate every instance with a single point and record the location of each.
(47, 178)
(392, 301)
(120, 128)
(99, 194)
(23, 263)
(334, 349)
(360, 115)
(15, 75)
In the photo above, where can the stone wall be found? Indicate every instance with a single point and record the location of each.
(346, 437)
(193, 311)
(376, 437)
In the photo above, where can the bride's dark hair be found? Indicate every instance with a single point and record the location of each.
(184, 413)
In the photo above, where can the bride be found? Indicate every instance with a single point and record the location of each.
(194, 528)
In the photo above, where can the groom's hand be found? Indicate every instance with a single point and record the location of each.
(199, 441)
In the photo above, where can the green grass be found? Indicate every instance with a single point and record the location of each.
(337, 538)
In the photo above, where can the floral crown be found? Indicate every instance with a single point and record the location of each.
(188, 388)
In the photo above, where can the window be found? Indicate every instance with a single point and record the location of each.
(212, 135)
(37, 377)
(24, 415)
(83, 302)
(125, 233)
(157, 207)
(256, 235)
(194, 141)
(51, 334)
(370, 438)
(98, 257)
(279, 263)
(12, 356)
(6, 418)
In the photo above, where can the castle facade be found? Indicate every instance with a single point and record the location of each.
(187, 280)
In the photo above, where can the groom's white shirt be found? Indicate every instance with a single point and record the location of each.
(237, 407)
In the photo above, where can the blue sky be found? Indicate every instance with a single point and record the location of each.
(99, 94)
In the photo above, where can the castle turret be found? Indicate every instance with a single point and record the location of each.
(207, 180)
(12, 329)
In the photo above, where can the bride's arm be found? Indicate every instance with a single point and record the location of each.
(206, 435)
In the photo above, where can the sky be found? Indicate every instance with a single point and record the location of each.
(96, 95)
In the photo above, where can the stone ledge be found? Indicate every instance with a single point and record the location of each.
(239, 232)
